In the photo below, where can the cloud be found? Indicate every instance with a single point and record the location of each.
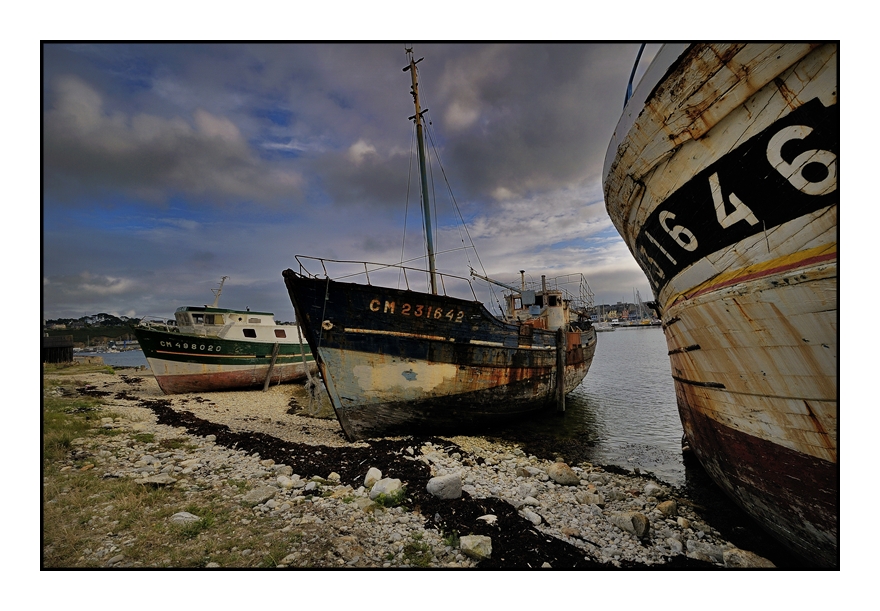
(359, 150)
(89, 150)
(168, 166)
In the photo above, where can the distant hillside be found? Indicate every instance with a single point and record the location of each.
(95, 320)
(94, 330)
(95, 336)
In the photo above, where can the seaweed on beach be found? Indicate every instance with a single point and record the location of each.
(516, 544)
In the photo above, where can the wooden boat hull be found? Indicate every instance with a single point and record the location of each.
(725, 190)
(185, 363)
(397, 362)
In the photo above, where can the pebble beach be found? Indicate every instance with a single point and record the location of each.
(278, 457)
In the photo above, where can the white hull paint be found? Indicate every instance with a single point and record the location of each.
(722, 180)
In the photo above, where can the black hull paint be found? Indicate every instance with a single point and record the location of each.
(396, 361)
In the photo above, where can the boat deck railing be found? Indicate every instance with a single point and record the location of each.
(580, 299)
(386, 274)
(158, 323)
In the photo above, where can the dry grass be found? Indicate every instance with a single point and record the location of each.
(89, 519)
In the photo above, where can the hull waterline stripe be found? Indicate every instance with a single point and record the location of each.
(777, 266)
(215, 355)
(439, 338)
(233, 356)
(400, 334)
(478, 342)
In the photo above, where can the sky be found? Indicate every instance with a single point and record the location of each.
(169, 165)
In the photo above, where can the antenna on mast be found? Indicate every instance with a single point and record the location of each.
(217, 292)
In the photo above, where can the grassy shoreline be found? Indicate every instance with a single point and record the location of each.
(82, 510)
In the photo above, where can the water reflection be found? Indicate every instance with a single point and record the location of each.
(624, 413)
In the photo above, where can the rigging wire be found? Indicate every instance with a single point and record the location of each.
(428, 126)
(463, 225)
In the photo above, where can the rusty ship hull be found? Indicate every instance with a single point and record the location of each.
(396, 362)
(722, 180)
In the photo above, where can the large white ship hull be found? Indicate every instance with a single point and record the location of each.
(722, 180)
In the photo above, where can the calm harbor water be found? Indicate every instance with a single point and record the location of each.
(624, 412)
(128, 358)
(627, 407)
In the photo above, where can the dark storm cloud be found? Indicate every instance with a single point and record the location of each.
(528, 118)
(509, 119)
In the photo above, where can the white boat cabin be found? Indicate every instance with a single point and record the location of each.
(540, 309)
(233, 324)
(549, 308)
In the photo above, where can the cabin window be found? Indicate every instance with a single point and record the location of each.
(249, 332)
(554, 301)
(198, 319)
(213, 319)
(280, 333)
(254, 321)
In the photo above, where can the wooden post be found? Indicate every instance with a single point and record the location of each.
(302, 353)
(271, 366)
(560, 369)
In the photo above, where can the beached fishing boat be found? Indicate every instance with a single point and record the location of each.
(396, 360)
(721, 177)
(208, 348)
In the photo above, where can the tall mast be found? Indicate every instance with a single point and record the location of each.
(421, 139)
(217, 292)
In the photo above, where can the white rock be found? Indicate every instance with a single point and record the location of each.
(184, 517)
(675, 545)
(742, 559)
(445, 486)
(477, 547)
(260, 495)
(587, 498)
(654, 490)
(563, 474)
(385, 486)
(632, 522)
(373, 476)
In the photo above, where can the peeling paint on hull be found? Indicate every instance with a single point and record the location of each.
(722, 180)
(389, 370)
(226, 378)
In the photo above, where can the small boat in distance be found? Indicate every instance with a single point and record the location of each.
(207, 348)
(396, 361)
(721, 177)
